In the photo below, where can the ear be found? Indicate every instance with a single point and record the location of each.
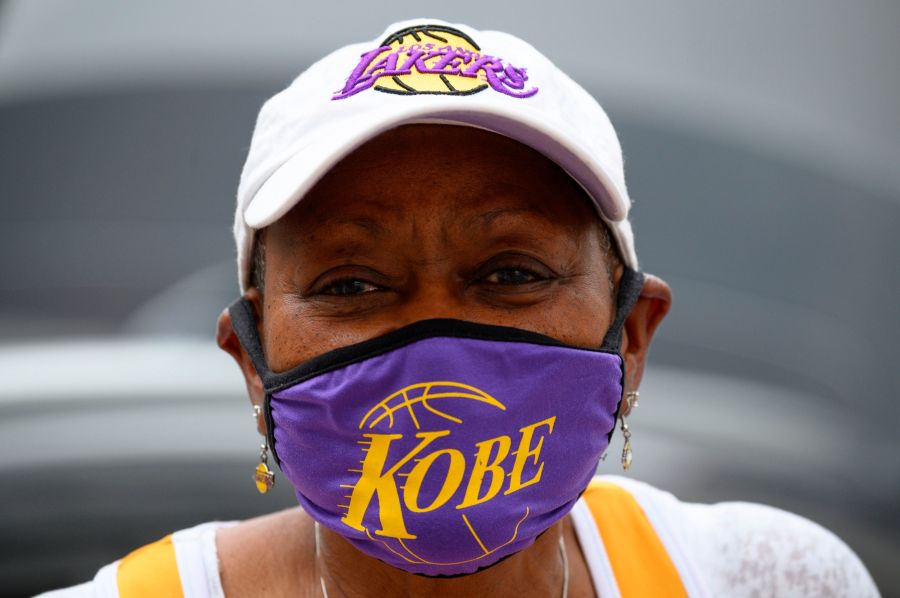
(228, 342)
(648, 312)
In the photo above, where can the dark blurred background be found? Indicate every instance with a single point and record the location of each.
(762, 146)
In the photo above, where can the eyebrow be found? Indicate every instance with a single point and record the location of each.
(485, 219)
(370, 225)
(365, 215)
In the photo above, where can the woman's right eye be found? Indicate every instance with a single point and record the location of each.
(349, 287)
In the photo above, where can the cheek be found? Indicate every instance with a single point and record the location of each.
(584, 308)
(586, 305)
(579, 313)
(282, 343)
(288, 338)
(292, 335)
(583, 314)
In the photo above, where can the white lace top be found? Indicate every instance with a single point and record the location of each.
(740, 549)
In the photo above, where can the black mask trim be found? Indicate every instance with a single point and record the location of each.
(344, 356)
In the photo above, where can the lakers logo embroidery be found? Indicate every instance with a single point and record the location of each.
(434, 59)
(412, 464)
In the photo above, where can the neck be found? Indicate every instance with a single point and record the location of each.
(535, 571)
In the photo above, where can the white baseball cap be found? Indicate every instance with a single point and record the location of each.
(426, 71)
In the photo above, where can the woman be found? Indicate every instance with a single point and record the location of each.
(442, 323)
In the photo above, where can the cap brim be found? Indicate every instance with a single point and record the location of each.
(325, 147)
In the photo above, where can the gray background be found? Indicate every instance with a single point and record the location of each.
(762, 147)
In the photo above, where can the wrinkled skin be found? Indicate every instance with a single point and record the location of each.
(426, 221)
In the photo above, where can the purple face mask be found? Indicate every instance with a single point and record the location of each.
(443, 447)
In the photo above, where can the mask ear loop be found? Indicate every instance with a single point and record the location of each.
(630, 287)
(243, 321)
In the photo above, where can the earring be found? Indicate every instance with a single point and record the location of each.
(626, 448)
(631, 399)
(263, 476)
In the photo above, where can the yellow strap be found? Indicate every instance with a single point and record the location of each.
(640, 563)
(150, 571)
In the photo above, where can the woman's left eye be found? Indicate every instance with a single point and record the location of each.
(512, 276)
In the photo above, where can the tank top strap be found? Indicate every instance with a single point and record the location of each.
(151, 570)
(639, 561)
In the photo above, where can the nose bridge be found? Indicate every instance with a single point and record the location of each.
(434, 286)
(429, 300)
(435, 291)
(433, 260)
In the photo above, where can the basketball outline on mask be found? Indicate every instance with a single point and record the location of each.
(388, 411)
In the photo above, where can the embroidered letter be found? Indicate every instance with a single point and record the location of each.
(357, 81)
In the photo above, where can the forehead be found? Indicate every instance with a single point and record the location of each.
(461, 174)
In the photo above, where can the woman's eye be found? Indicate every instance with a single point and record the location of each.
(512, 276)
(349, 287)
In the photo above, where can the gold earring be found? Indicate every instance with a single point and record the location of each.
(626, 448)
(263, 476)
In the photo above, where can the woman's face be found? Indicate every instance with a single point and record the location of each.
(434, 221)
(437, 221)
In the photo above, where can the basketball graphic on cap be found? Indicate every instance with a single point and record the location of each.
(423, 398)
(442, 51)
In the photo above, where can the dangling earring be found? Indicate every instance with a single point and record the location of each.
(626, 448)
(263, 476)
(631, 397)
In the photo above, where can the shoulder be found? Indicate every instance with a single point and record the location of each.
(181, 563)
(746, 549)
(263, 556)
(765, 550)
